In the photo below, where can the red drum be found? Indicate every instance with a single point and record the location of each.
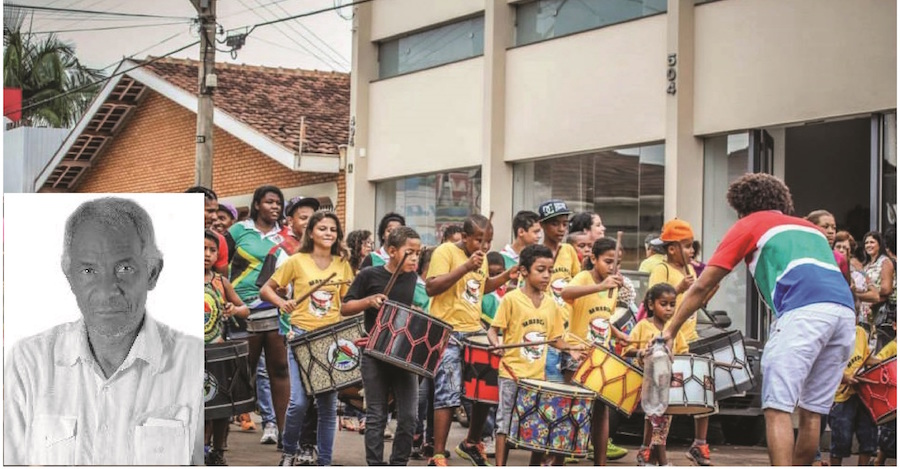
(407, 338)
(480, 371)
(880, 398)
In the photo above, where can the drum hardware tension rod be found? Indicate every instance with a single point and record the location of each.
(390, 285)
(616, 259)
(316, 288)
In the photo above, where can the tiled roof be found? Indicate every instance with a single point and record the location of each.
(273, 100)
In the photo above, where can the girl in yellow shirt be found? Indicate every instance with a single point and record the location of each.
(319, 256)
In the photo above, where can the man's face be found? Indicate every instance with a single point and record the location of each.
(555, 228)
(211, 207)
(532, 235)
(480, 240)
(109, 277)
(300, 218)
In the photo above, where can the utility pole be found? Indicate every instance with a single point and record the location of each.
(206, 11)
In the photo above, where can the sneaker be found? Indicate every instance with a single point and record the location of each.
(286, 460)
(473, 453)
(643, 456)
(614, 452)
(389, 430)
(270, 434)
(438, 460)
(490, 447)
(427, 450)
(416, 452)
(215, 457)
(306, 456)
(699, 454)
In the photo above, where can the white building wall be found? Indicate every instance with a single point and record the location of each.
(26, 150)
(397, 17)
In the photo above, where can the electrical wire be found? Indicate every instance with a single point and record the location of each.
(93, 12)
(110, 28)
(95, 83)
(341, 64)
(304, 15)
(117, 62)
(314, 35)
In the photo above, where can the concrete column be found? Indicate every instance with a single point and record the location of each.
(360, 203)
(684, 152)
(496, 174)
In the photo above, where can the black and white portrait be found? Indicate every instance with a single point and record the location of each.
(103, 356)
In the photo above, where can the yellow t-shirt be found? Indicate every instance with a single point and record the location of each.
(860, 352)
(564, 269)
(521, 322)
(649, 263)
(889, 350)
(323, 307)
(644, 332)
(665, 273)
(591, 313)
(459, 305)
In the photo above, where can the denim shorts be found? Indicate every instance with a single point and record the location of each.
(448, 377)
(507, 403)
(552, 369)
(847, 418)
(805, 357)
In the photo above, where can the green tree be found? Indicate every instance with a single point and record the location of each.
(46, 69)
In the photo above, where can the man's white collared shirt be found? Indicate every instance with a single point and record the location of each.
(59, 409)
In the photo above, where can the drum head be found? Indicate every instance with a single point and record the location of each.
(557, 388)
(477, 340)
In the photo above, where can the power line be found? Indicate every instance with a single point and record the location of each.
(341, 64)
(109, 28)
(88, 85)
(93, 12)
(314, 35)
(143, 50)
(304, 15)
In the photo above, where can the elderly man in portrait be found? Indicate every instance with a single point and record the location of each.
(115, 387)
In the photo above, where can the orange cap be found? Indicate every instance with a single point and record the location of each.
(675, 230)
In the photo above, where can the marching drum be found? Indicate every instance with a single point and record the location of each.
(265, 320)
(691, 391)
(623, 319)
(226, 387)
(881, 398)
(408, 338)
(727, 348)
(329, 359)
(616, 382)
(480, 368)
(551, 418)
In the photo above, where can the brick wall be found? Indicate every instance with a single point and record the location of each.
(155, 152)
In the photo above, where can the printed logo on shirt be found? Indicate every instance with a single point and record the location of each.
(320, 303)
(343, 355)
(533, 352)
(472, 293)
(556, 289)
(210, 387)
(598, 332)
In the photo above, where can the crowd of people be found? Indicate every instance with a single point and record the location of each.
(558, 280)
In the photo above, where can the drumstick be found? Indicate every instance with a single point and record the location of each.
(866, 380)
(616, 258)
(727, 365)
(316, 288)
(508, 370)
(396, 274)
(862, 368)
(520, 344)
(684, 260)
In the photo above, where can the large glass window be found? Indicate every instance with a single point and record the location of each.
(889, 172)
(625, 187)
(726, 159)
(456, 41)
(431, 202)
(546, 19)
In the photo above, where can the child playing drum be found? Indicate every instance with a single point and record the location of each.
(526, 314)
(677, 239)
(887, 433)
(379, 377)
(593, 295)
(320, 256)
(456, 281)
(660, 306)
(848, 414)
(221, 304)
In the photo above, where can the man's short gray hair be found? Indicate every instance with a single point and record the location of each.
(114, 212)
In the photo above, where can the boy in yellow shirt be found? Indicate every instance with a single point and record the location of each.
(678, 240)
(526, 314)
(848, 414)
(887, 433)
(457, 280)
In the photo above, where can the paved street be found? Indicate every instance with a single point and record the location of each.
(245, 450)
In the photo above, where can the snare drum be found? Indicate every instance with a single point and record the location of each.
(263, 321)
(880, 399)
(727, 348)
(616, 382)
(226, 388)
(328, 358)
(480, 368)
(623, 319)
(551, 418)
(407, 338)
(692, 391)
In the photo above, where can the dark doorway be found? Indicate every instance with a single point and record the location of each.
(828, 166)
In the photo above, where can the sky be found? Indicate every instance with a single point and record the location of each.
(319, 42)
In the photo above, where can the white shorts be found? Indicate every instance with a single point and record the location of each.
(805, 356)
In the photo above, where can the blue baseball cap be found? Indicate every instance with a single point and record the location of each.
(553, 208)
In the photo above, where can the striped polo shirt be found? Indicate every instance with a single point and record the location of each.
(789, 259)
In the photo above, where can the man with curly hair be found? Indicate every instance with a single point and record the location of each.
(813, 333)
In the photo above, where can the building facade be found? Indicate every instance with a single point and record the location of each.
(639, 110)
